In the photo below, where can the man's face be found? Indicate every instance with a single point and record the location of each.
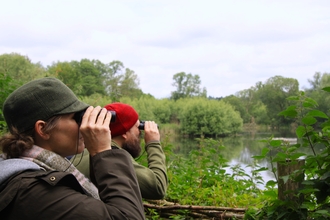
(132, 143)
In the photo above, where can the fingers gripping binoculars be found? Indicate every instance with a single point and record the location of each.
(141, 125)
(79, 115)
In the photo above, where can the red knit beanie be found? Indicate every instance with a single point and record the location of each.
(126, 117)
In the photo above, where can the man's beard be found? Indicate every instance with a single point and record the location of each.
(132, 147)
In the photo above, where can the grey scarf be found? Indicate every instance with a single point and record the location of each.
(50, 161)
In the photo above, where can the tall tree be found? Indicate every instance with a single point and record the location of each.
(66, 72)
(318, 82)
(83, 77)
(113, 77)
(129, 85)
(20, 68)
(274, 93)
(91, 77)
(187, 85)
(120, 81)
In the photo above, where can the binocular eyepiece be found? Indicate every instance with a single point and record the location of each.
(78, 116)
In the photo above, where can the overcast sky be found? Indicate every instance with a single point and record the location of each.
(231, 45)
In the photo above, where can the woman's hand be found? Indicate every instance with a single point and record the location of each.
(96, 130)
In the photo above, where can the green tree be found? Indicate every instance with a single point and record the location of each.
(318, 82)
(250, 106)
(66, 72)
(120, 81)
(91, 77)
(129, 85)
(200, 116)
(83, 77)
(20, 68)
(7, 85)
(187, 85)
(238, 105)
(274, 93)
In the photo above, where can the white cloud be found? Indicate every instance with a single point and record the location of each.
(231, 45)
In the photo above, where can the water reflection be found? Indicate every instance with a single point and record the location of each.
(238, 150)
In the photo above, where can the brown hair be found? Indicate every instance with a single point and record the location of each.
(15, 143)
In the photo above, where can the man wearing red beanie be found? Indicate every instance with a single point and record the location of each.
(125, 135)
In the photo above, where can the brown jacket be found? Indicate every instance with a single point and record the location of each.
(58, 195)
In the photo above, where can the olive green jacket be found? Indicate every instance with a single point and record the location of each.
(152, 179)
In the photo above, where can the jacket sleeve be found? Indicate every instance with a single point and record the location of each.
(152, 179)
(116, 181)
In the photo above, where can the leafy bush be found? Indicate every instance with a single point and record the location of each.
(200, 116)
(312, 198)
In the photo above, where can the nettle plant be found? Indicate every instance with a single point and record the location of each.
(313, 136)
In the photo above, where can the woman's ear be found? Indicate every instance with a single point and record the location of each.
(39, 130)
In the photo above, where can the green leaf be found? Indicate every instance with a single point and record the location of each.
(321, 211)
(327, 89)
(308, 105)
(309, 120)
(310, 101)
(275, 143)
(293, 98)
(308, 182)
(325, 176)
(264, 151)
(280, 157)
(297, 155)
(300, 131)
(258, 157)
(290, 111)
(271, 183)
(317, 113)
(285, 178)
(261, 169)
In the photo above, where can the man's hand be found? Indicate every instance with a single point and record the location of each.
(151, 132)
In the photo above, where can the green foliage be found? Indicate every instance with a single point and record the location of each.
(238, 105)
(144, 107)
(20, 68)
(200, 116)
(202, 178)
(274, 93)
(84, 77)
(88, 77)
(317, 93)
(120, 81)
(7, 85)
(187, 86)
(313, 132)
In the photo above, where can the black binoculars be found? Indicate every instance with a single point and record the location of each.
(78, 116)
(141, 125)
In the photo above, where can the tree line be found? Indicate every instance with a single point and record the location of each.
(99, 83)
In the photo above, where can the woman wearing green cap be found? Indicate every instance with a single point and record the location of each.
(36, 179)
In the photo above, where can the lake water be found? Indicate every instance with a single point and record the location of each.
(239, 150)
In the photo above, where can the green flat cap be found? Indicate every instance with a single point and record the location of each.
(39, 100)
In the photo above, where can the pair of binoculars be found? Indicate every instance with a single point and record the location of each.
(141, 125)
(79, 115)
